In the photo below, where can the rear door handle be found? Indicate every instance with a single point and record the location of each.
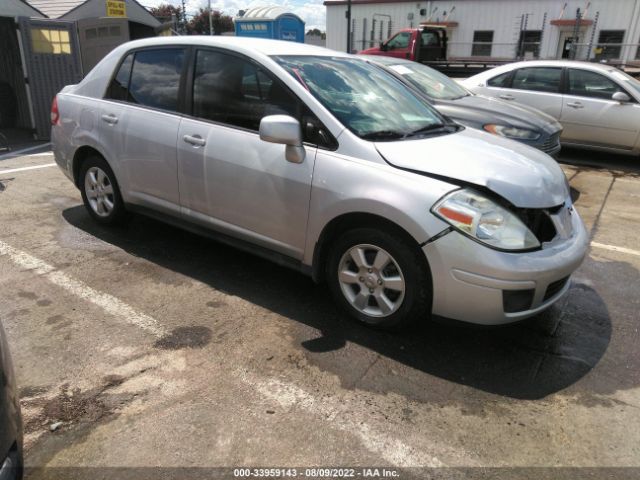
(111, 119)
(507, 97)
(575, 105)
(195, 140)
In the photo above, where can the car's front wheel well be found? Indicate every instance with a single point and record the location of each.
(350, 221)
(80, 156)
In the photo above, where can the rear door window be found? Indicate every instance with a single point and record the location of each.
(155, 78)
(539, 79)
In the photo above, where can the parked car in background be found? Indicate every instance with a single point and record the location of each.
(325, 163)
(517, 122)
(10, 420)
(597, 104)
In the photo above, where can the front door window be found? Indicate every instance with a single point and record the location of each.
(399, 42)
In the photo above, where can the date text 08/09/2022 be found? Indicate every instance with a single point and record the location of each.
(361, 472)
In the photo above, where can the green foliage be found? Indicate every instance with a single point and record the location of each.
(317, 33)
(199, 24)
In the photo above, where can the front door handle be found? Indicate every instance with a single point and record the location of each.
(111, 119)
(506, 96)
(195, 140)
(575, 105)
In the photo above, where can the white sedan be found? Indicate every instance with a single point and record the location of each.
(598, 105)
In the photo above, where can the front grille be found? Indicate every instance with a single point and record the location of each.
(554, 288)
(551, 144)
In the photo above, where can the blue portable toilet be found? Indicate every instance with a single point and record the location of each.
(270, 22)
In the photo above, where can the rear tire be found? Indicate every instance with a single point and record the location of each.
(100, 191)
(380, 279)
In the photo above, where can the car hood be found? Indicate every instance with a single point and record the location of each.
(521, 174)
(484, 110)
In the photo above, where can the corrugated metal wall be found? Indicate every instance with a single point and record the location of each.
(500, 16)
(11, 71)
(98, 36)
(47, 72)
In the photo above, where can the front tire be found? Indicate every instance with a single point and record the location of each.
(380, 279)
(100, 191)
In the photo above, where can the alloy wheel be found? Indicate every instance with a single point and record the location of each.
(99, 191)
(371, 280)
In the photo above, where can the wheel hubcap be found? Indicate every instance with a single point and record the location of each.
(99, 190)
(371, 280)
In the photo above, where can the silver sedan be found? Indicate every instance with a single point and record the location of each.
(597, 105)
(325, 163)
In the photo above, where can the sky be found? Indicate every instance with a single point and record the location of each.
(312, 11)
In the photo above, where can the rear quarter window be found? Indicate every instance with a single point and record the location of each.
(537, 79)
(119, 86)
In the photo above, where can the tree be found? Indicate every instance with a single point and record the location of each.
(317, 33)
(199, 24)
(165, 13)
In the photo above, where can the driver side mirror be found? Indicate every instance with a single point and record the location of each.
(621, 97)
(384, 47)
(284, 130)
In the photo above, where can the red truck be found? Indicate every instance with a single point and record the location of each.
(424, 44)
(428, 44)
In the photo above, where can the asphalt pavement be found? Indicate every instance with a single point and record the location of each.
(148, 347)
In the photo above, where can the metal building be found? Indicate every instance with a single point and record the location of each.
(47, 44)
(596, 30)
(270, 22)
(39, 57)
(102, 25)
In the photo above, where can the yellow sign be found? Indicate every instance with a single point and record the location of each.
(116, 8)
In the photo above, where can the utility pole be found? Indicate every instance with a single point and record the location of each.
(348, 26)
(184, 18)
(210, 20)
(576, 34)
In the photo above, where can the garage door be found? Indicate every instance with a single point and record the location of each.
(52, 60)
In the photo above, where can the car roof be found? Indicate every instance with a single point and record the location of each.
(599, 67)
(243, 44)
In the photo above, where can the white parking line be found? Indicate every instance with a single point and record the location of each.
(108, 303)
(391, 449)
(18, 153)
(613, 248)
(22, 169)
(42, 154)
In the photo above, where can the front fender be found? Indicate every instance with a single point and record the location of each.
(343, 185)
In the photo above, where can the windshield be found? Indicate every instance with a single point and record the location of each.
(429, 81)
(368, 101)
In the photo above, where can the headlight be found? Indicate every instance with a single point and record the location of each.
(512, 132)
(481, 218)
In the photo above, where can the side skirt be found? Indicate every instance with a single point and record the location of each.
(275, 257)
